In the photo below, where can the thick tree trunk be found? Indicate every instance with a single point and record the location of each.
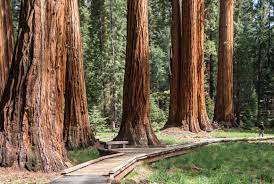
(202, 113)
(176, 36)
(77, 132)
(187, 99)
(33, 102)
(135, 126)
(224, 111)
(6, 43)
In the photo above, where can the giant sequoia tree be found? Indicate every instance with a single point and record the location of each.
(76, 125)
(31, 111)
(135, 126)
(224, 111)
(202, 113)
(6, 43)
(187, 100)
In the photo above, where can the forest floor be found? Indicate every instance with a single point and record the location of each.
(170, 136)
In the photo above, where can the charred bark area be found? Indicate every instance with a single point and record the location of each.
(188, 109)
(136, 126)
(77, 132)
(6, 43)
(33, 100)
(224, 110)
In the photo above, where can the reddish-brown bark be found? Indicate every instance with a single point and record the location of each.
(77, 132)
(224, 111)
(33, 102)
(6, 43)
(202, 113)
(135, 125)
(187, 100)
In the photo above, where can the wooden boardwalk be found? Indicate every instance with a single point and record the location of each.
(114, 167)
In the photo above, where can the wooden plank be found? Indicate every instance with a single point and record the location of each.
(85, 164)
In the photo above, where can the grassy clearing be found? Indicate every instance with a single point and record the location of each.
(82, 155)
(232, 163)
(239, 133)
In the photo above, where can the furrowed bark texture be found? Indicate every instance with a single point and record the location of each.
(6, 43)
(77, 132)
(33, 101)
(202, 113)
(187, 99)
(135, 126)
(224, 111)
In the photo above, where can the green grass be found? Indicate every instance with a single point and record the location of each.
(82, 155)
(239, 133)
(171, 140)
(232, 163)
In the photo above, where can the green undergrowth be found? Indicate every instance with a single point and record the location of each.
(82, 155)
(231, 163)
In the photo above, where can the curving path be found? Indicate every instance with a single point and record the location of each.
(114, 167)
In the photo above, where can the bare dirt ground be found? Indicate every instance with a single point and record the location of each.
(13, 176)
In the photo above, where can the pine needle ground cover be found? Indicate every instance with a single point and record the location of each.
(232, 163)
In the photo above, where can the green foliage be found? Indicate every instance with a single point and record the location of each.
(82, 155)
(210, 107)
(97, 121)
(157, 115)
(250, 114)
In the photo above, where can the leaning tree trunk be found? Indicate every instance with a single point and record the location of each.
(136, 127)
(224, 111)
(77, 132)
(6, 43)
(33, 102)
(202, 113)
(176, 34)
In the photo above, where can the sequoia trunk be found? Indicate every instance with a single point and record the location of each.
(6, 43)
(135, 125)
(33, 101)
(224, 111)
(187, 99)
(77, 132)
(202, 113)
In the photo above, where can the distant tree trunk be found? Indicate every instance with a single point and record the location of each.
(6, 43)
(135, 126)
(224, 111)
(33, 102)
(176, 36)
(77, 132)
(202, 113)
